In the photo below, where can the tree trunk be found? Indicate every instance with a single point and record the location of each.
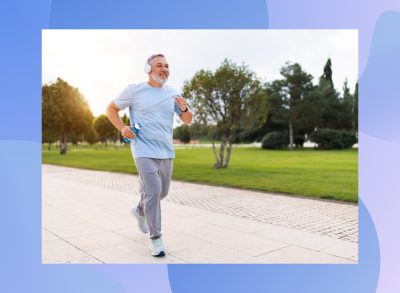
(228, 155)
(221, 154)
(215, 154)
(291, 142)
(63, 144)
(49, 146)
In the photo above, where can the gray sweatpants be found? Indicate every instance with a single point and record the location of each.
(154, 180)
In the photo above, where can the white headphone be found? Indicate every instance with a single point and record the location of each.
(147, 66)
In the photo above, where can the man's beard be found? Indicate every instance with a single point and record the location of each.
(158, 79)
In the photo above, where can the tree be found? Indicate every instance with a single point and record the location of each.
(355, 110)
(48, 137)
(345, 120)
(104, 128)
(329, 104)
(287, 99)
(91, 136)
(232, 99)
(65, 112)
(327, 75)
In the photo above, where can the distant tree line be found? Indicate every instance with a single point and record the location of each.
(297, 109)
(67, 118)
(300, 110)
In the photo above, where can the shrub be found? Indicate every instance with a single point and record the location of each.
(182, 133)
(275, 140)
(348, 139)
(299, 140)
(333, 139)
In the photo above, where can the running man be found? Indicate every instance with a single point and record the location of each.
(151, 105)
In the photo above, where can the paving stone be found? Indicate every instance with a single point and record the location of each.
(244, 242)
(215, 254)
(345, 249)
(48, 236)
(132, 253)
(59, 251)
(97, 240)
(298, 237)
(299, 255)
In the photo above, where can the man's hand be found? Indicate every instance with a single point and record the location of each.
(127, 132)
(186, 115)
(182, 104)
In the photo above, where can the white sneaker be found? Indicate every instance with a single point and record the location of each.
(157, 247)
(141, 221)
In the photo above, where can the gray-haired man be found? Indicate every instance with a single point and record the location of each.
(152, 105)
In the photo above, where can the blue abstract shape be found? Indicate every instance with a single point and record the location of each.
(362, 277)
(158, 14)
(380, 188)
(20, 63)
(139, 278)
(20, 223)
(379, 101)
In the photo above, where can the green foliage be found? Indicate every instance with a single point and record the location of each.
(328, 103)
(65, 113)
(232, 99)
(334, 112)
(299, 140)
(75, 138)
(327, 75)
(348, 139)
(333, 139)
(345, 116)
(288, 100)
(48, 136)
(355, 110)
(275, 140)
(105, 130)
(182, 133)
(126, 121)
(91, 136)
(200, 132)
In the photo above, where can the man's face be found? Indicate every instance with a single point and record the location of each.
(159, 69)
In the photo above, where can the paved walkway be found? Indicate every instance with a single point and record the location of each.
(86, 220)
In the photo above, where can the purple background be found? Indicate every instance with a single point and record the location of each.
(378, 23)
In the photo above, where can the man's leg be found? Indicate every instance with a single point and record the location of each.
(166, 168)
(142, 194)
(150, 188)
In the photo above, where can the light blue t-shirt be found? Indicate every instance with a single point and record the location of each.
(153, 108)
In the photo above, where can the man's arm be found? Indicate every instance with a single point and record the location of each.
(186, 116)
(112, 114)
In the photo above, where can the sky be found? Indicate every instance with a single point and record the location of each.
(101, 63)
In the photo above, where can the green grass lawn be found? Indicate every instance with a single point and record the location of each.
(324, 174)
